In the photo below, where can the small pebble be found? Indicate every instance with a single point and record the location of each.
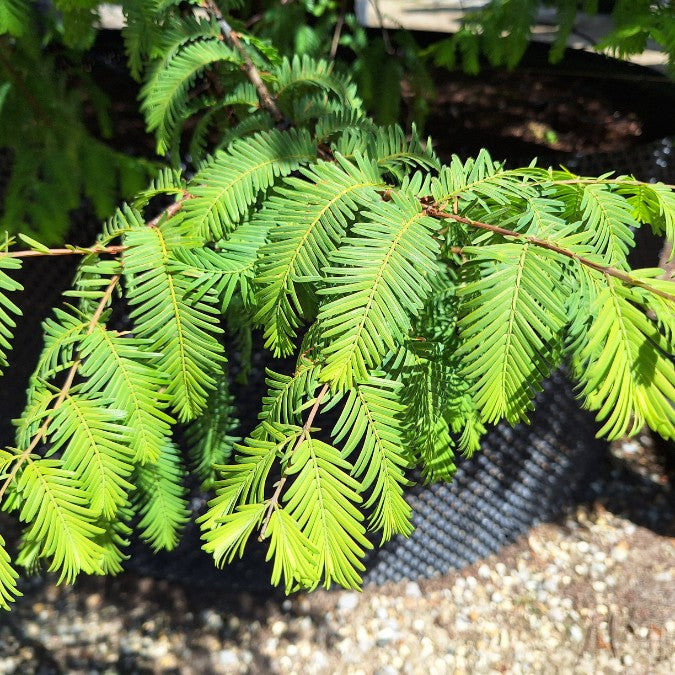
(619, 552)
(278, 628)
(211, 619)
(227, 657)
(348, 602)
(576, 633)
(412, 590)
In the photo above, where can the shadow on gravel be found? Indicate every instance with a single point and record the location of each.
(643, 497)
(133, 614)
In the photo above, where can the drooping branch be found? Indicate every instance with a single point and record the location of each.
(266, 98)
(63, 392)
(274, 499)
(103, 303)
(607, 270)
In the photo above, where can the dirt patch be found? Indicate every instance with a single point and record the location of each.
(587, 104)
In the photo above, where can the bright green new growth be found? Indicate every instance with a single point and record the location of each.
(420, 301)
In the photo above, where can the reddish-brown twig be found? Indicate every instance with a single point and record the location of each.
(551, 246)
(266, 98)
(274, 499)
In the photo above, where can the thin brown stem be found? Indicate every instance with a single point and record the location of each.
(274, 499)
(385, 34)
(266, 98)
(103, 303)
(253, 20)
(667, 261)
(169, 211)
(96, 250)
(339, 25)
(114, 280)
(607, 270)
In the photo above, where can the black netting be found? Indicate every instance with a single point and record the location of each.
(522, 475)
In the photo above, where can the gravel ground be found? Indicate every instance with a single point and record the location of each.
(591, 593)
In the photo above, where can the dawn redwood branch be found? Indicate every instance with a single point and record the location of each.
(251, 71)
(274, 499)
(70, 378)
(607, 270)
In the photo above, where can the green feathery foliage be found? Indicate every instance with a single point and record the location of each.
(160, 499)
(165, 95)
(7, 307)
(511, 324)
(371, 424)
(122, 370)
(208, 437)
(180, 328)
(307, 229)
(380, 277)
(60, 520)
(8, 578)
(97, 449)
(225, 189)
(421, 303)
(321, 502)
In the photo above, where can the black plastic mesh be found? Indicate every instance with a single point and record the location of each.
(523, 475)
